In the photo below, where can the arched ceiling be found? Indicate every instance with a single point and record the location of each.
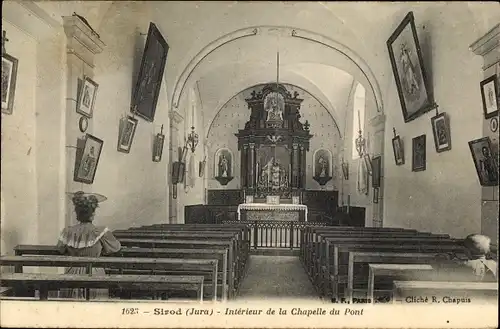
(189, 27)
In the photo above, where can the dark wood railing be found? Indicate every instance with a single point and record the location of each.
(275, 233)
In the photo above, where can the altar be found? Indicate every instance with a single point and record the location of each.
(279, 212)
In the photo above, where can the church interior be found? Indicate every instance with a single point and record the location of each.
(325, 150)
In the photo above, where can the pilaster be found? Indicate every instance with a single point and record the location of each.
(488, 46)
(82, 45)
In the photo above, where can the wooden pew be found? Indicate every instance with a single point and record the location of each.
(243, 231)
(341, 255)
(45, 282)
(358, 257)
(234, 279)
(393, 271)
(220, 254)
(327, 252)
(169, 265)
(307, 235)
(325, 239)
(472, 291)
(239, 250)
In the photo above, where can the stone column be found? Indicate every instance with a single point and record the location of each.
(488, 46)
(295, 166)
(377, 126)
(173, 145)
(251, 167)
(82, 45)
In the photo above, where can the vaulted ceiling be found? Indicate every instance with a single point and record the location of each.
(349, 44)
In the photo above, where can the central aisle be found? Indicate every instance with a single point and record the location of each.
(276, 277)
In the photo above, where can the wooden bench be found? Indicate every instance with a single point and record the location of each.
(220, 254)
(357, 257)
(170, 266)
(439, 290)
(327, 252)
(240, 252)
(341, 257)
(324, 247)
(393, 271)
(45, 282)
(234, 276)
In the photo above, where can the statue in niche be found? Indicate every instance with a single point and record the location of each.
(322, 165)
(223, 166)
(274, 105)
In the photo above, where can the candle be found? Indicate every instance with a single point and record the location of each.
(257, 174)
(359, 120)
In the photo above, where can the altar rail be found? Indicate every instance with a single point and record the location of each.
(275, 233)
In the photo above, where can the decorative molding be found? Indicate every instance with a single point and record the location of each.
(349, 54)
(487, 42)
(198, 58)
(175, 117)
(81, 40)
(377, 120)
(76, 29)
(21, 14)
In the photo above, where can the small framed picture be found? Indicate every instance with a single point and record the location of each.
(489, 94)
(158, 146)
(377, 168)
(126, 134)
(368, 163)
(375, 195)
(86, 97)
(418, 153)
(9, 77)
(399, 154)
(87, 159)
(484, 161)
(345, 170)
(441, 132)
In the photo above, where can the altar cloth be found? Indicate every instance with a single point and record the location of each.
(284, 207)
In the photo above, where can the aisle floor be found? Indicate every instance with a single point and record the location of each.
(281, 277)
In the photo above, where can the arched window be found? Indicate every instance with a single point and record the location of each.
(358, 117)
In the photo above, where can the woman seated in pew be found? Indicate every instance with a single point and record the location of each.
(86, 240)
(477, 247)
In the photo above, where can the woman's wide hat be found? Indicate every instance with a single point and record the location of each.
(87, 195)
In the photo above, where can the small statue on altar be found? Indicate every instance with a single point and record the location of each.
(273, 105)
(275, 176)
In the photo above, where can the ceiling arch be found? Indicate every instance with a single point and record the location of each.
(249, 42)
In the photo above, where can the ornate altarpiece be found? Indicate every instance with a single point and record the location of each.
(274, 144)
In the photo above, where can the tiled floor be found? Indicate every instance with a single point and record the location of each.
(281, 277)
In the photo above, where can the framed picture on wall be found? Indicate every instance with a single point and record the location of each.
(9, 77)
(377, 167)
(408, 68)
(441, 132)
(87, 159)
(86, 97)
(397, 148)
(126, 134)
(418, 162)
(485, 161)
(151, 71)
(489, 95)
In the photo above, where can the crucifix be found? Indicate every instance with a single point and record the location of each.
(4, 40)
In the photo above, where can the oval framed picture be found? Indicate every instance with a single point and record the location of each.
(494, 125)
(83, 124)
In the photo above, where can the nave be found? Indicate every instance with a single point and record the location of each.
(171, 262)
